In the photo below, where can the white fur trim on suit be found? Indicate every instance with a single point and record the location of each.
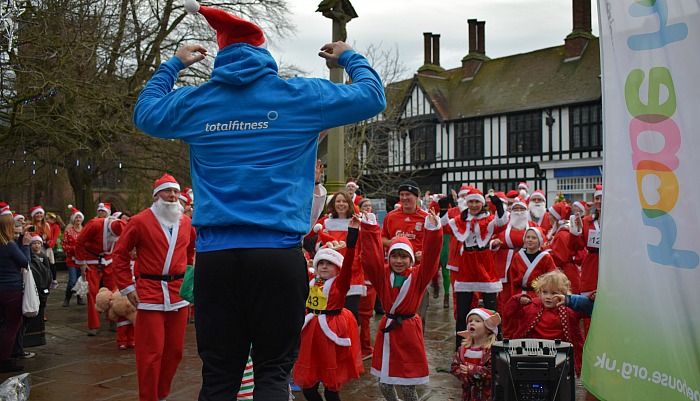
(495, 286)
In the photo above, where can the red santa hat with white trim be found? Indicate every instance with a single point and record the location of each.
(116, 226)
(75, 213)
(351, 183)
(35, 210)
(229, 28)
(560, 211)
(5, 209)
(476, 194)
(523, 185)
(330, 255)
(185, 198)
(519, 201)
(36, 238)
(579, 205)
(598, 190)
(17, 216)
(165, 182)
(464, 190)
(105, 207)
(404, 244)
(539, 232)
(538, 194)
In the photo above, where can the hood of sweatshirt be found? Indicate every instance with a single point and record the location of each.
(241, 63)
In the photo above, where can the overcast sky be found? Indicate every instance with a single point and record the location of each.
(512, 27)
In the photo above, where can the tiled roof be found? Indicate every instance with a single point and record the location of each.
(527, 81)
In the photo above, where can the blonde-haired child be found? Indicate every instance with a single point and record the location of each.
(545, 316)
(471, 363)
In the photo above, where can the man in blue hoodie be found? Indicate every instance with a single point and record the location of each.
(251, 131)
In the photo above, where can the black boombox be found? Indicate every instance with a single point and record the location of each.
(533, 370)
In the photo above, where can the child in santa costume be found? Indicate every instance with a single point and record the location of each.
(399, 352)
(471, 363)
(545, 316)
(93, 253)
(474, 228)
(505, 246)
(529, 263)
(560, 239)
(330, 343)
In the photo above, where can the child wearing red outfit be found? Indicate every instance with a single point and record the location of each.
(545, 316)
(471, 363)
(330, 342)
(399, 352)
(529, 263)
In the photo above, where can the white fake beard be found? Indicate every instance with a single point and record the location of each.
(537, 209)
(523, 193)
(168, 213)
(518, 220)
(462, 204)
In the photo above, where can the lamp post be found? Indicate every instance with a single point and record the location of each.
(341, 12)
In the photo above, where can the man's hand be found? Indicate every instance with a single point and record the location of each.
(332, 51)
(133, 297)
(190, 54)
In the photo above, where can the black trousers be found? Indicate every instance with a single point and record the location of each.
(244, 297)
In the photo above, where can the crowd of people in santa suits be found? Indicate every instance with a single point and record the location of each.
(491, 248)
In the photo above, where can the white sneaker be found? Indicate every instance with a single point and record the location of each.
(54, 285)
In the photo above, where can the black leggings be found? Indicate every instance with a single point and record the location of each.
(464, 302)
(311, 394)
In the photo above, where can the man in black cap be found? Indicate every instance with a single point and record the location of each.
(407, 221)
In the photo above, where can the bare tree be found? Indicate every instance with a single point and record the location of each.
(76, 74)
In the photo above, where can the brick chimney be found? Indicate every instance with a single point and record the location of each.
(477, 53)
(431, 54)
(436, 49)
(577, 41)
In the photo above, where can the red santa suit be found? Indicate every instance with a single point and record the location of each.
(523, 273)
(94, 248)
(163, 255)
(562, 252)
(330, 342)
(588, 237)
(511, 242)
(399, 351)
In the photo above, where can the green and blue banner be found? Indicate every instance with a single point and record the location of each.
(644, 342)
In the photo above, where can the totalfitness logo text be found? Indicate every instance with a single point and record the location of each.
(236, 125)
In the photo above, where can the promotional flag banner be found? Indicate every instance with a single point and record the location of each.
(644, 342)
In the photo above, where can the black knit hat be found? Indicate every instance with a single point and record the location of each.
(410, 186)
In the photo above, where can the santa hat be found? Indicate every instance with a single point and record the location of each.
(538, 194)
(323, 238)
(75, 213)
(519, 201)
(475, 194)
(36, 238)
(523, 185)
(560, 211)
(404, 244)
(104, 206)
(512, 194)
(330, 255)
(598, 190)
(35, 210)
(502, 196)
(464, 190)
(5, 209)
(16, 216)
(165, 182)
(117, 215)
(491, 320)
(185, 198)
(190, 194)
(351, 183)
(538, 231)
(116, 226)
(229, 28)
(579, 205)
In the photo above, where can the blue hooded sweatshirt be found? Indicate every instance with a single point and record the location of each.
(251, 132)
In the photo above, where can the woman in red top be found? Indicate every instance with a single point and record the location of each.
(70, 238)
(56, 225)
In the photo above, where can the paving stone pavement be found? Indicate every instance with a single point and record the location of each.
(75, 367)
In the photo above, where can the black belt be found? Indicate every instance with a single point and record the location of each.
(594, 251)
(167, 277)
(474, 248)
(528, 288)
(328, 312)
(398, 319)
